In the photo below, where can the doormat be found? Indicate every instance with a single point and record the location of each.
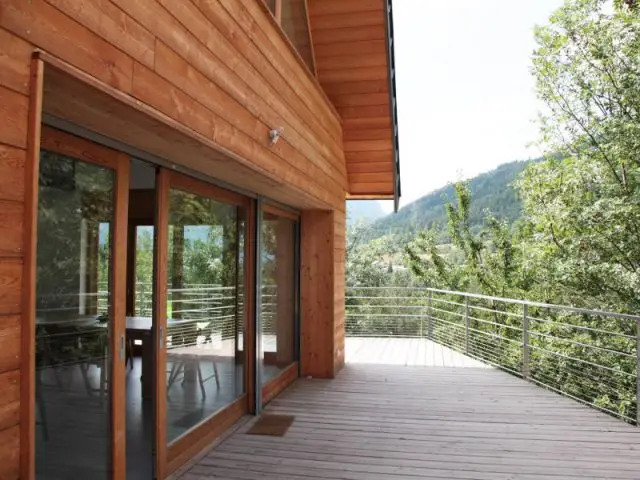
(273, 425)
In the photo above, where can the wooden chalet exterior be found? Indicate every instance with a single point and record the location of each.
(265, 116)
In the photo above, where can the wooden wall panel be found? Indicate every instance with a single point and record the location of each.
(12, 173)
(9, 343)
(11, 227)
(13, 111)
(112, 24)
(9, 402)
(48, 28)
(10, 442)
(274, 44)
(239, 67)
(339, 244)
(350, 41)
(317, 286)
(227, 78)
(9, 395)
(267, 103)
(15, 59)
(14, 62)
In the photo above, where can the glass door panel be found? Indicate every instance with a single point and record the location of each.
(74, 318)
(143, 271)
(204, 310)
(278, 298)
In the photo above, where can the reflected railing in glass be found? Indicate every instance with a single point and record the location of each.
(205, 369)
(75, 223)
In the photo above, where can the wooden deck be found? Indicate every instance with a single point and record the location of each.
(377, 422)
(405, 351)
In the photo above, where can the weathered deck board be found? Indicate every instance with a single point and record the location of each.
(405, 351)
(378, 421)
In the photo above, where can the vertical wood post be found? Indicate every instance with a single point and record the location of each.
(466, 324)
(429, 317)
(30, 238)
(318, 286)
(525, 342)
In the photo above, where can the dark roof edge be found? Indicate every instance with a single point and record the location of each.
(393, 104)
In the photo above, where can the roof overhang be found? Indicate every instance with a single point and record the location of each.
(355, 58)
(397, 191)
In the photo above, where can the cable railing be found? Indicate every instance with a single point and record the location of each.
(215, 304)
(589, 355)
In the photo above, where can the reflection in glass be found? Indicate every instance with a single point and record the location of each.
(277, 304)
(143, 265)
(295, 24)
(75, 221)
(272, 5)
(204, 309)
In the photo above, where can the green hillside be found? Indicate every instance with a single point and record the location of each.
(491, 191)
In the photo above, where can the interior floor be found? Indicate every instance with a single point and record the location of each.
(73, 421)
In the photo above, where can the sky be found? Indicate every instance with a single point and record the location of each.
(466, 99)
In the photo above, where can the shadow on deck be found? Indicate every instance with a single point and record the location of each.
(415, 420)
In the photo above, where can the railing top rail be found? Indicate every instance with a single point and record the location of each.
(566, 308)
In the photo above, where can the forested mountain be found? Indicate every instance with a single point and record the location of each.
(363, 211)
(491, 191)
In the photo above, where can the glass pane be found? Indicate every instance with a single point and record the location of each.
(144, 271)
(272, 5)
(75, 221)
(278, 294)
(204, 311)
(295, 25)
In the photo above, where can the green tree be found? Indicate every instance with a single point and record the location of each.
(582, 205)
(491, 259)
(367, 263)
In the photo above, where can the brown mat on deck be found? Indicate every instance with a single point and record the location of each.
(274, 425)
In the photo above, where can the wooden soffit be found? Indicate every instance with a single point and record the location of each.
(353, 45)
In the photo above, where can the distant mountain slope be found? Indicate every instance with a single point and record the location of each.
(365, 211)
(492, 191)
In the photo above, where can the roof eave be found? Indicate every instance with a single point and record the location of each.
(393, 105)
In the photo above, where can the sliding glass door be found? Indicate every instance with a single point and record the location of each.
(194, 327)
(278, 299)
(81, 249)
(201, 307)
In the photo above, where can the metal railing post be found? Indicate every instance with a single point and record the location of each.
(422, 315)
(638, 372)
(466, 324)
(429, 317)
(525, 342)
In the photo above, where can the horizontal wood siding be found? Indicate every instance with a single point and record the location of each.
(229, 76)
(351, 56)
(15, 57)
